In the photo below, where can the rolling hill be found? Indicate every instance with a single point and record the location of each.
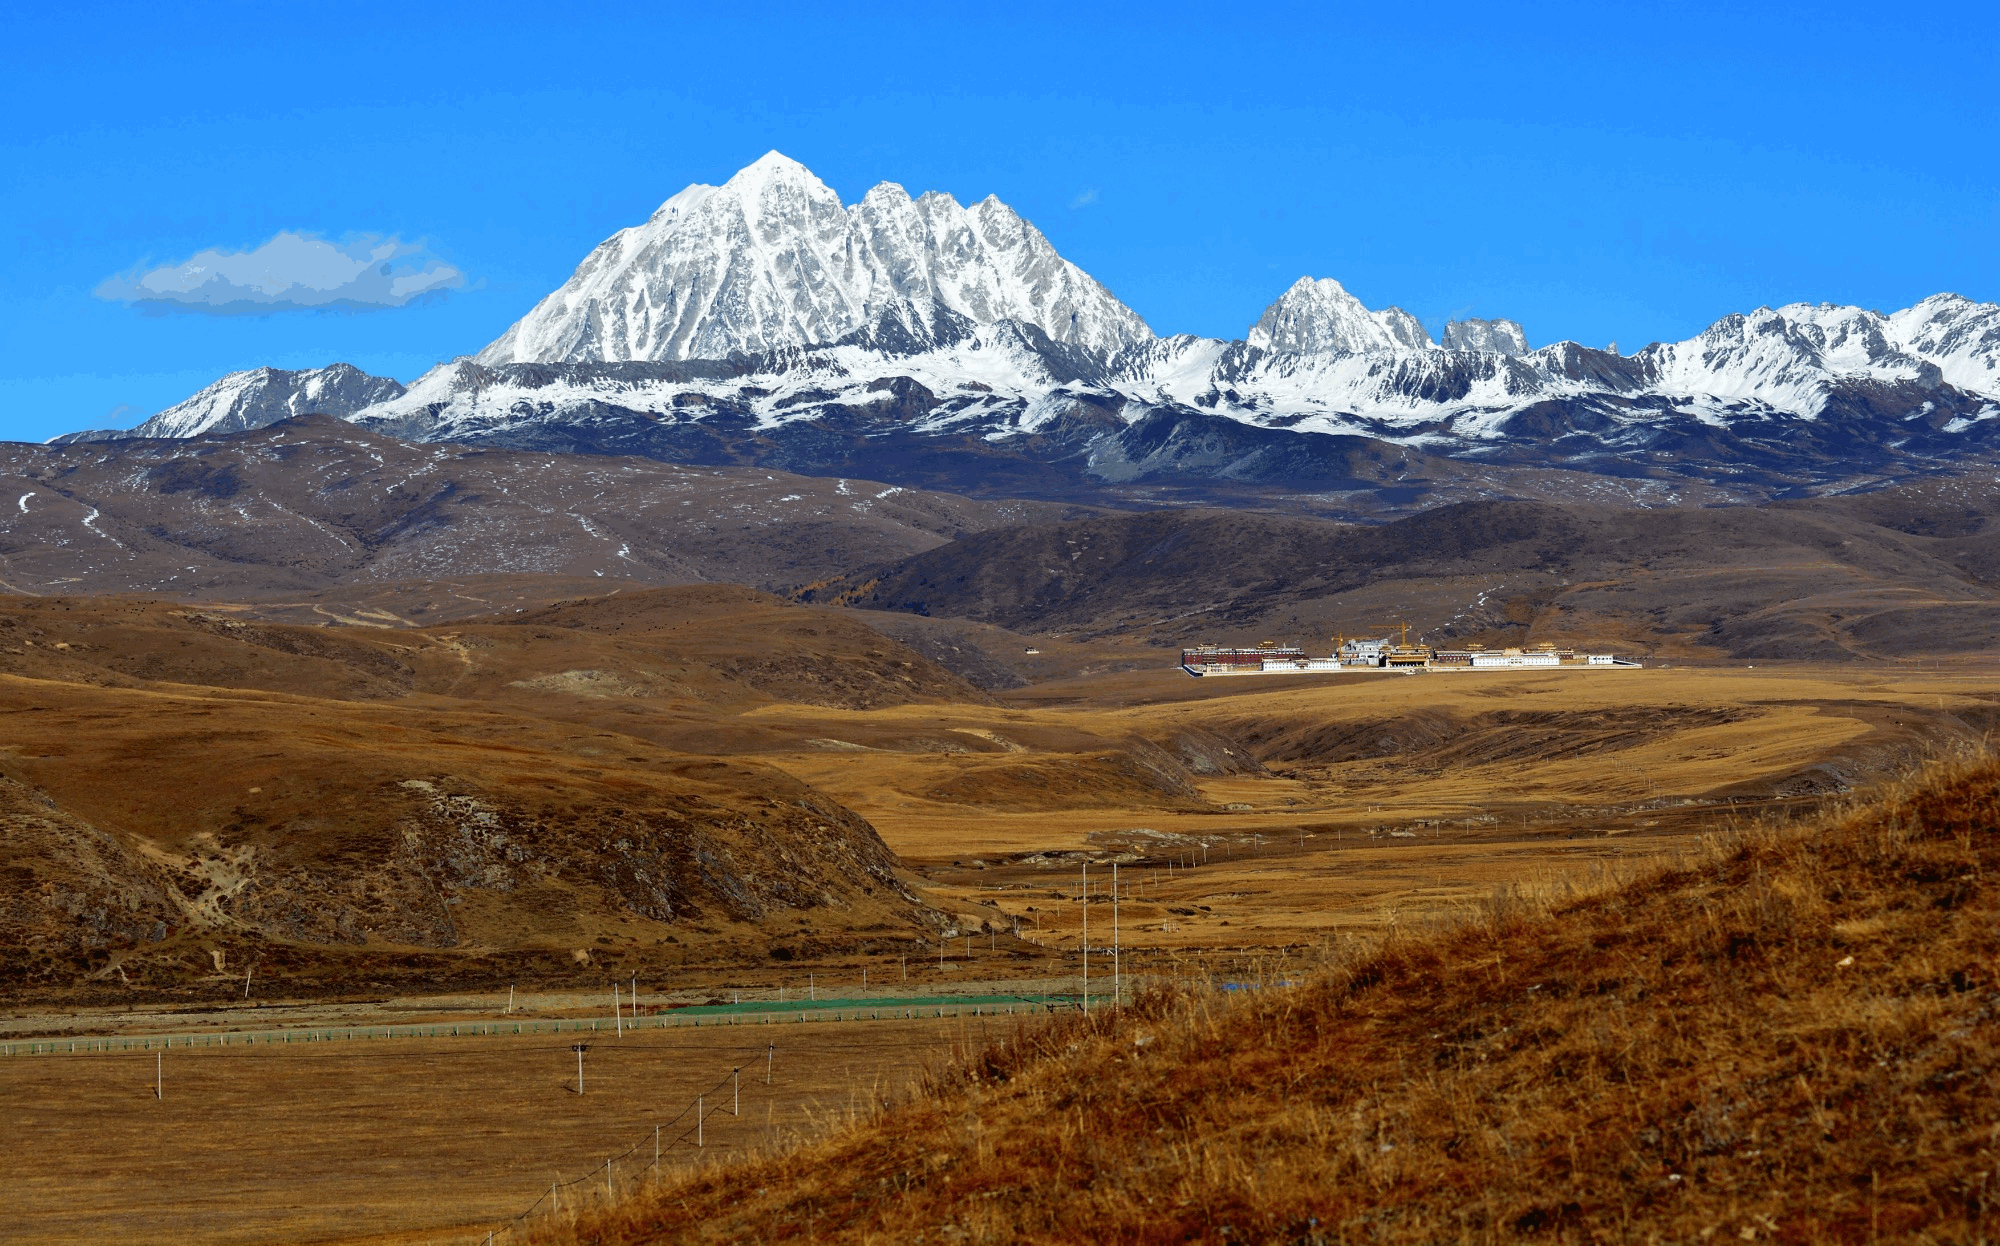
(188, 796)
(1786, 1036)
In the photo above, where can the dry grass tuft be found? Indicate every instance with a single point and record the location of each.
(1790, 1036)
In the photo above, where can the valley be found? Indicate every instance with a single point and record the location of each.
(711, 781)
(1274, 816)
(795, 672)
(538, 714)
(312, 845)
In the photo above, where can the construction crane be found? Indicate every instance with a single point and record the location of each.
(1403, 628)
(1402, 653)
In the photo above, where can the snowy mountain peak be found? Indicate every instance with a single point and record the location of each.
(773, 163)
(771, 260)
(1960, 336)
(885, 196)
(1321, 317)
(1492, 337)
(260, 396)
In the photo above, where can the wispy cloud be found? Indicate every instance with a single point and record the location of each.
(291, 272)
(1085, 199)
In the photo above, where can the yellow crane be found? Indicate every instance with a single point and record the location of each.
(1402, 628)
(1402, 653)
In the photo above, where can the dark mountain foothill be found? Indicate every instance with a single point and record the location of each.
(1878, 576)
(312, 501)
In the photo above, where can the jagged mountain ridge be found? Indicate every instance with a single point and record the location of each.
(1800, 399)
(928, 344)
(1322, 318)
(261, 396)
(771, 259)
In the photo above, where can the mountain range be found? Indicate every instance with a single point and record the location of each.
(923, 343)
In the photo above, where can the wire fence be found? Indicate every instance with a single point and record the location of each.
(803, 1013)
(684, 1130)
(692, 1134)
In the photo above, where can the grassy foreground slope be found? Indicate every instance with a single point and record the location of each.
(1792, 1037)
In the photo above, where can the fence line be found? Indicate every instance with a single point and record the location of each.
(824, 1013)
(660, 1142)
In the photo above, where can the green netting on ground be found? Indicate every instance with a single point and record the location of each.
(852, 1004)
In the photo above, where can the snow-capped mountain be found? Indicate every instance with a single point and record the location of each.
(261, 396)
(771, 259)
(1792, 357)
(1762, 405)
(921, 342)
(1493, 337)
(1322, 318)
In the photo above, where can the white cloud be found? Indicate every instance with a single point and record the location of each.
(1085, 199)
(292, 271)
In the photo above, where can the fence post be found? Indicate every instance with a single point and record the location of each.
(697, 1121)
(1084, 943)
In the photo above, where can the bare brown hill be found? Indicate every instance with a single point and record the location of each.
(315, 501)
(1831, 579)
(188, 795)
(1787, 1037)
(157, 839)
(699, 644)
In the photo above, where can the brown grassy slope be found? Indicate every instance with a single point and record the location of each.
(184, 794)
(1792, 1038)
(159, 839)
(713, 644)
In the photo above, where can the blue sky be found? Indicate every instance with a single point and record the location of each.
(1596, 172)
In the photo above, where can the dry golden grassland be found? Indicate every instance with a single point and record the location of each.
(1790, 1037)
(1533, 779)
(1359, 821)
(410, 1140)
